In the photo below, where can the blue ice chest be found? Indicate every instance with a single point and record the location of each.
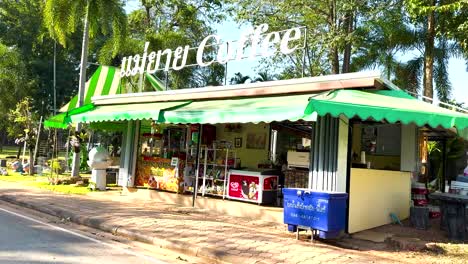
(323, 211)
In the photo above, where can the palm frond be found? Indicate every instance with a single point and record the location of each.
(408, 75)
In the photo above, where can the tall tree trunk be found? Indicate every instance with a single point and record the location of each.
(334, 59)
(147, 7)
(148, 16)
(31, 161)
(81, 92)
(2, 141)
(348, 27)
(18, 154)
(429, 56)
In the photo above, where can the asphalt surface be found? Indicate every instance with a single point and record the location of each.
(26, 239)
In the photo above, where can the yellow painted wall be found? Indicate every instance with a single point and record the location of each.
(374, 194)
(249, 157)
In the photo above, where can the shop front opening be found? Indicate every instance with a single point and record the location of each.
(247, 162)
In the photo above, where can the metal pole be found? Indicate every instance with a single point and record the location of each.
(197, 165)
(81, 88)
(226, 68)
(67, 168)
(304, 50)
(444, 165)
(312, 154)
(37, 139)
(24, 149)
(55, 82)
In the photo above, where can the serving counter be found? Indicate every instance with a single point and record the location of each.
(374, 194)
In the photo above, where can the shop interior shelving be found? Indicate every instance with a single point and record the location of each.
(214, 165)
(191, 169)
(217, 162)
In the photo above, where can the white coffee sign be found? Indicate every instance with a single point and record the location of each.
(260, 43)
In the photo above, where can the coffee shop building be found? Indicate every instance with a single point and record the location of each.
(238, 145)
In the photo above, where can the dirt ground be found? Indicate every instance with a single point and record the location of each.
(422, 246)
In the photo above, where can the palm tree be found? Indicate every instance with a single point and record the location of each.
(409, 75)
(62, 18)
(392, 36)
(441, 23)
(239, 78)
(264, 76)
(389, 37)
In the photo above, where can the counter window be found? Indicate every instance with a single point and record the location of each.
(376, 146)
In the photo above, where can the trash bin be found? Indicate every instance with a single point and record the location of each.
(323, 211)
(419, 217)
(454, 210)
(3, 163)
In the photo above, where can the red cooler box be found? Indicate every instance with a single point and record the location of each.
(252, 186)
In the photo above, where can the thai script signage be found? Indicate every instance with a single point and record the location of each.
(252, 43)
(311, 212)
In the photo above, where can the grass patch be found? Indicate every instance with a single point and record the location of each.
(456, 250)
(42, 182)
(21, 178)
(67, 189)
(12, 151)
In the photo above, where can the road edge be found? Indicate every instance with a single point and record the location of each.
(209, 254)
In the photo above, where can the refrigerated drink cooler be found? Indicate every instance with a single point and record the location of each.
(252, 186)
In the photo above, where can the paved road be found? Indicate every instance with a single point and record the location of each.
(24, 239)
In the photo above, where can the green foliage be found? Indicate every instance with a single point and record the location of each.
(42, 183)
(107, 17)
(56, 166)
(13, 81)
(83, 152)
(168, 25)
(450, 34)
(239, 79)
(349, 35)
(22, 31)
(336, 28)
(17, 177)
(60, 188)
(455, 149)
(23, 123)
(433, 148)
(265, 76)
(92, 185)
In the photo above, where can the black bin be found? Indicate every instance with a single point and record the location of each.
(3, 163)
(419, 217)
(454, 209)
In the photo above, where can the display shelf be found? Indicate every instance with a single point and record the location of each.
(215, 170)
(214, 164)
(215, 194)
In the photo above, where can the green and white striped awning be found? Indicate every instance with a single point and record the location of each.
(104, 81)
